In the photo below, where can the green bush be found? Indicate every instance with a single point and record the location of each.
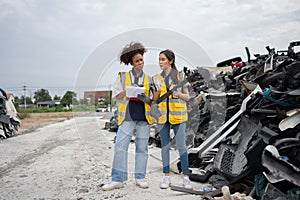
(43, 110)
(83, 108)
(59, 108)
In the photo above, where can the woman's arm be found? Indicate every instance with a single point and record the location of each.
(118, 92)
(121, 95)
(184, 94)
(155, 95)
(157, 87)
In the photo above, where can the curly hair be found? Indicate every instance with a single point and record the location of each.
(130, 50)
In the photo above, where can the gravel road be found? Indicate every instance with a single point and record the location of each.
(71, 160)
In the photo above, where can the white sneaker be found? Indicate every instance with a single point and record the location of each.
(166, 182)
(112, 185)
(187, 183)
(142, 183)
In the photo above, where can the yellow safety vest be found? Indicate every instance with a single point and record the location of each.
(122, 104)
(177, 107)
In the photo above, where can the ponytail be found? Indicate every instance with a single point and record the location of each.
(171, 57)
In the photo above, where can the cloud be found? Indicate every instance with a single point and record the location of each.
(16, 8)
(86, 8)
(59, 35)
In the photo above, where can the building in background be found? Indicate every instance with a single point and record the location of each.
(48, 104)
(97, 97)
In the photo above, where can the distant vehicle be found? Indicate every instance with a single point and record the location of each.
(102, 110)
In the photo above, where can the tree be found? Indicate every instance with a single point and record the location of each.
(84, 102)
(56, 97)
(21, 100)
(69, 98)
(42, 95)
(17, 100)
(107, 101)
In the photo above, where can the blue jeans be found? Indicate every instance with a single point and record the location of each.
(124, 135)
(179, 131)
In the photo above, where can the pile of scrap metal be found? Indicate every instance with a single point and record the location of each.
(9, 122)
(245, 125)
(112, 124)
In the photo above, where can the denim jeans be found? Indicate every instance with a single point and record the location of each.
(179, 131)
(124, 135)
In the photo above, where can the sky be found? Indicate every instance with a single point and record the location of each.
(57, 45)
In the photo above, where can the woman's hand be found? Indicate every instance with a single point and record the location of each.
(177, 93)
(144, 98)
(182, 94)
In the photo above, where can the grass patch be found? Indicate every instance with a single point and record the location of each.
(25, 112)
(23, 115)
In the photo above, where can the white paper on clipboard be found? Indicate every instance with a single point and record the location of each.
(133, 91)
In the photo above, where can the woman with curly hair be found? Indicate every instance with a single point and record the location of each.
(133, 117)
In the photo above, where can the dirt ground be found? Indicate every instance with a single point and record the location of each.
(37, 120)
(72, 160)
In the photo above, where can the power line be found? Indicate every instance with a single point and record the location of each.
(24, 88)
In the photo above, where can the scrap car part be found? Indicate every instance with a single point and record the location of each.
(2, 134)
(291, 51)
(237, 161)
(291, 121)
(231, 158)
(229, 62)
(225, 129)
(272, 192)
(238, 187)
(279, 167)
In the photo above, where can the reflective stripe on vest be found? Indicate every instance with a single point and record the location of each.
(122, 104)
(177, 107)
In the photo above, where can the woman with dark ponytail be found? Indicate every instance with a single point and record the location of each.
(173, 115)
(170, 57)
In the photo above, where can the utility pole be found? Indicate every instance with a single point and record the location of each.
(110, 97)
(24, 88)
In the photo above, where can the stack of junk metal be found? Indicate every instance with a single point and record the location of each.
(243, 132)
(244, 127)
(9, 121)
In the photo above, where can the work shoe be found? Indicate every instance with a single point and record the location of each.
(187, 183)
(166, 182)
(142, 183)
(112, 185)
